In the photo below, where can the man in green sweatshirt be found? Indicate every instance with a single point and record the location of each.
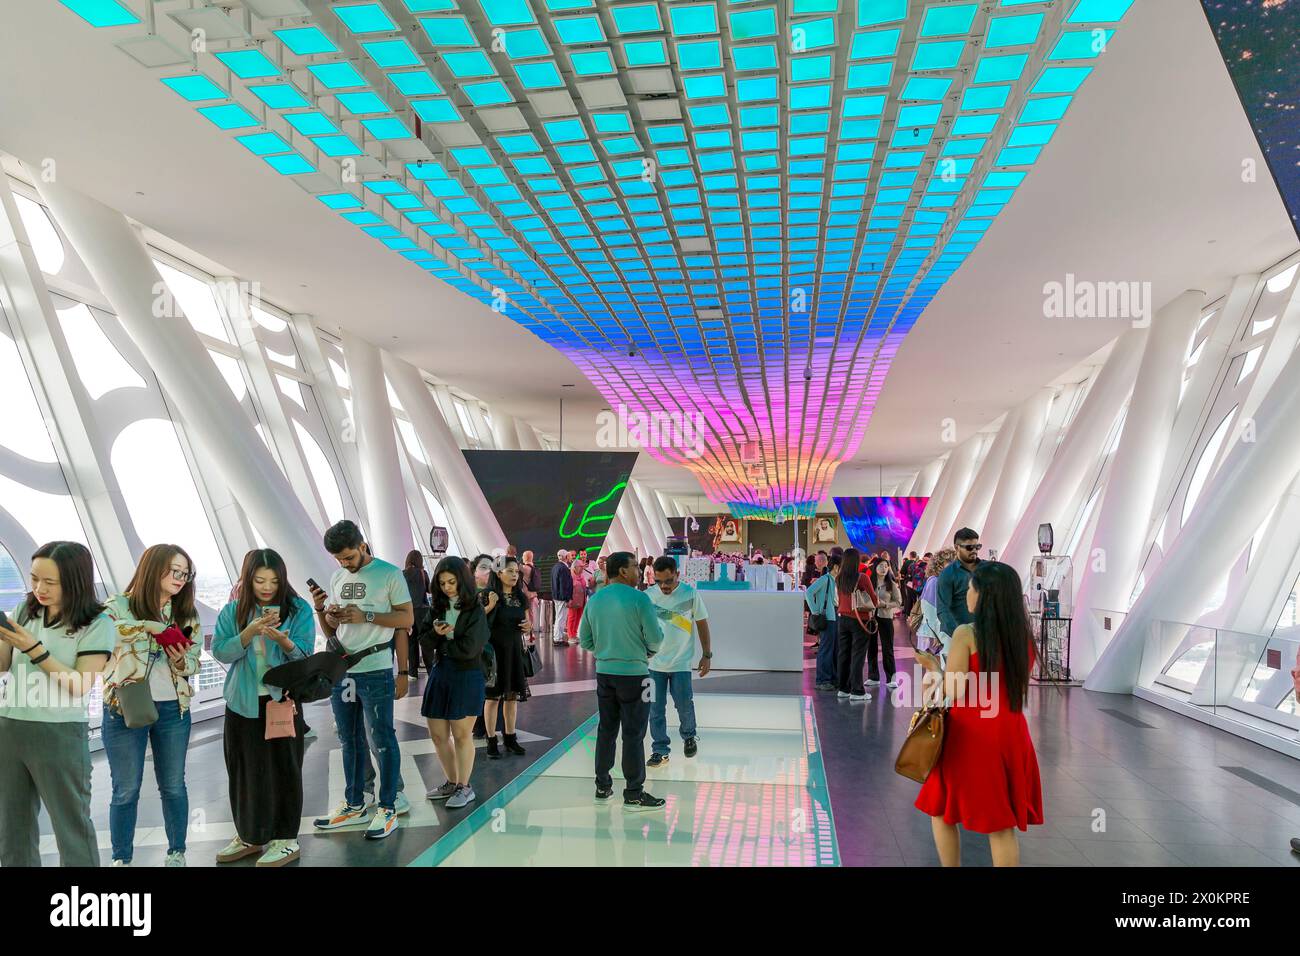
(620, 627)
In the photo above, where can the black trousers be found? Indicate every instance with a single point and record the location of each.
(265, 777)
(885, 638)
(624, 705)
(850, 655)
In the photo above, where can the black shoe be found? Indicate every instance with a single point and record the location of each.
(512, 746)
(492, 751)
(643, 802)
(1295, 844)
(692, 747)
(604, 793)
(656, 761)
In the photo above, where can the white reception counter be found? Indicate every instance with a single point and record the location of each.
(756, 630)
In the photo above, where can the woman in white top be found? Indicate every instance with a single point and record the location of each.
(53, 647)
(889, 598)
(151, 618)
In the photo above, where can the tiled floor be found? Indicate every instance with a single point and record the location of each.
(1116, 793)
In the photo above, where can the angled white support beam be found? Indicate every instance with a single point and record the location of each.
(1027, 422)
(1081, 447)
(120, 265)
(975, 508)
(924, 526)
(1129, 496)
(1233, 504)
(961, 469)
(389, 532)
(505, 435)
(527, 436)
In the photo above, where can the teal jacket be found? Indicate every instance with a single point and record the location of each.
(240, 690)
(620, 626)
(820, 597)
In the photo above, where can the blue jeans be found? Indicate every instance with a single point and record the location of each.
(169, 738)
(826, 653)
(678, 683)
(363, 711)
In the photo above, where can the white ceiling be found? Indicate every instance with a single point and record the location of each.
(1142, 182)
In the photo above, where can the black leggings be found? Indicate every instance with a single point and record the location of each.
(885, 638)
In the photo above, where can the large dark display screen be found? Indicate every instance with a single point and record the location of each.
(548, 500)
(1260, 44)
(876, 523)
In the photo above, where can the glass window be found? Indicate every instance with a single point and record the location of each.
(1202, 471)
(195, 298)
(322, 474)
(22, 426)
(410, 440)
(282, 358)
(266, 320)
(462, 412)
(45, 240)
(99, 364)
(164, 505)
(13, 581)
(292, 390)
(232, 372)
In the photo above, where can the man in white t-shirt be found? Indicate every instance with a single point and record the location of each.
(367, 608)
(683, 618)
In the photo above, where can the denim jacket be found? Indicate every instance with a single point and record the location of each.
(241, 686)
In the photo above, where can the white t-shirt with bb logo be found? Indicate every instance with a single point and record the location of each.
(377, 587)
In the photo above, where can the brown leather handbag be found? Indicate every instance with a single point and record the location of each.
(924, 743)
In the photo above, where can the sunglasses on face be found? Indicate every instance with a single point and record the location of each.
(971, 547)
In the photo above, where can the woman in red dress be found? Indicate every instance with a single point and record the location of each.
(987, 779)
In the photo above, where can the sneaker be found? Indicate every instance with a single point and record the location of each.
(893, 683)
(826, 686)
(237, 849)
(656, 761)
(871, 682)
(560, 643)
(859, 697)
(604, 793)
(643, 802)
(842, 694)
(691, 747)
(341, 816)
(121, 862)
(1295, 846)
(463, 795)
(280, 852)
(382, 824)
(442, 792)
(401, 805)
(175, 858)
(492, 750)
(310, 734)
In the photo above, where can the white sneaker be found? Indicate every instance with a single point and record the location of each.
(871, 683)
(859, 697)
(893, 683)
(121, 863)
(401, 805)
(237, 849)
(341, 816)
(175, 859)
(842, 695)
(280, 852)
(383, 825)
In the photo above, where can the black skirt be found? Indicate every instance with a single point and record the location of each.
(508, 643)
(265, 777)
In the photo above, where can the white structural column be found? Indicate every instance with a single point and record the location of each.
(1235, 501)
(1253, 608)
(1129, 496)
(527, 436)
(120, 265)
(486, 436)
(654, 511)
(925, 525)
(648, 536)
(927, 478)
(1026, 422)
(504, 433)
(476, 526)
(961, 468)
(616, 538)
(389, 532)
(1081, 447)
(975, 508)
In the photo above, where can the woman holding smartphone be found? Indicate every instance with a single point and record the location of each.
(454, 693)
(158, 602)
(53, 647)
(268, 626)
(509, 627)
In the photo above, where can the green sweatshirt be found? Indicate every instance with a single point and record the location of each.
(620, 626)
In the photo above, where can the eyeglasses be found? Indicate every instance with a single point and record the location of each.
(971, 547)
(179, 575)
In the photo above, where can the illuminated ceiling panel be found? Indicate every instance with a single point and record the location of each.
(725, 214)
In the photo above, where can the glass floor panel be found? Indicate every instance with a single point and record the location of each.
(754, 796)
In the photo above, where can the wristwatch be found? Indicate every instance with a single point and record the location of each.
(708, 655)
(403, 673)
(370, 617)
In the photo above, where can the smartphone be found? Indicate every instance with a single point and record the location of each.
(4, 620)
(483, 597)
(311, 583)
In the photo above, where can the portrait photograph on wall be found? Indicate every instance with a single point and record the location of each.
(825, 530)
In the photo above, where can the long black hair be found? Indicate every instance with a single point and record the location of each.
(285, 596)
(77, 605)
(851, 561)
(496, 584)
(1002, 631)
(466, 589)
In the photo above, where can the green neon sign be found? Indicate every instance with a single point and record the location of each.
(589, 519)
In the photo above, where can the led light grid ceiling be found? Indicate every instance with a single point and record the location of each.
(728, 215)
